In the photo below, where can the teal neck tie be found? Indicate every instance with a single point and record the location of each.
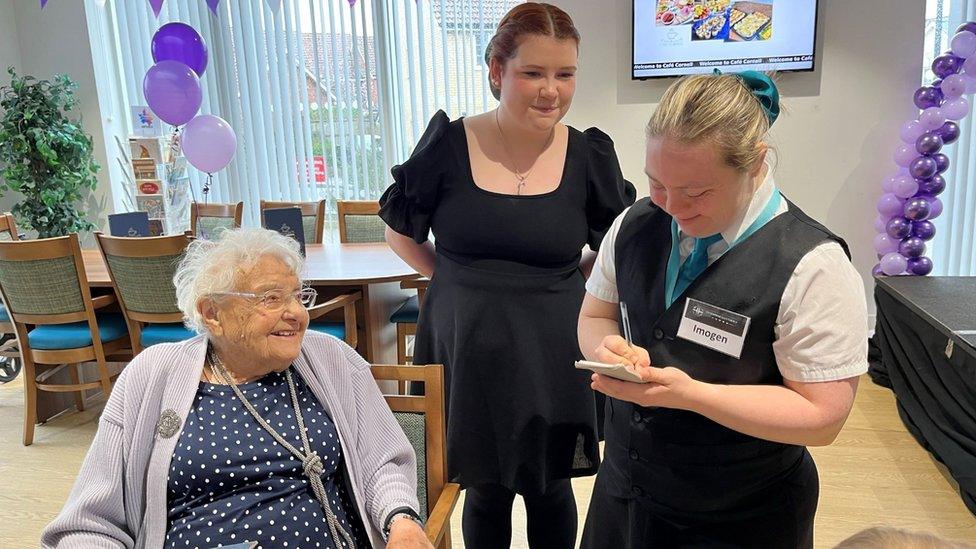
(695, 263)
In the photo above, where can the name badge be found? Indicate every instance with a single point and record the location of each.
(713, 327)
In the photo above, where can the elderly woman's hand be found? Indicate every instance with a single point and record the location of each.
(407, 534)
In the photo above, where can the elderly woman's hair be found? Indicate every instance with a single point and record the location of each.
(886, 537)
(212, 266)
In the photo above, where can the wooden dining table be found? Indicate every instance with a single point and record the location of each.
(373, 269)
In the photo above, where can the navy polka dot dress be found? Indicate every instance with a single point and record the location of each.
(230, 482)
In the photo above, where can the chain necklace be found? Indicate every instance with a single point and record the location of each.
(311, 462)
(518, 175)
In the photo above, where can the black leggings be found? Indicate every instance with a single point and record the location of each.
(550, 518)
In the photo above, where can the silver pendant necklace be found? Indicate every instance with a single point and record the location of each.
(521, 179)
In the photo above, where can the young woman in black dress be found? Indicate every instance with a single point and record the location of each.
(512, 197)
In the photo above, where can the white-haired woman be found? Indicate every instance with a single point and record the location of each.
(252, 432)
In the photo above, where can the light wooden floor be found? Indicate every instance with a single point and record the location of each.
(875, 473)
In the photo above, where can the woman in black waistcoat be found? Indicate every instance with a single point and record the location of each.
(749, 329)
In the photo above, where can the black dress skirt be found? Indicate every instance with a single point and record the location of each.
(501, 310)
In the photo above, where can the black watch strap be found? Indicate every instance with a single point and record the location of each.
(388, 521)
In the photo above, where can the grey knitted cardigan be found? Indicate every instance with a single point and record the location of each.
(119, 497)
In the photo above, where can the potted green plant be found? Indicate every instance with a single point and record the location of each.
(45, 155)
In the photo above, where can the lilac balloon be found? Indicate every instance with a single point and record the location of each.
(912, 247)
(898, 228)
(933, 186)
(950, 132)
(928, 96)
(922, 167)
(923, 229)
(941, 162)
(963, 44)
(884, 244)
(876, 271)
(180, 42)
(904, 155)
(970, 82)
(968, 26)
(917, 209)
(956, 108)
(946, 64)
(173, 92)
(209, 143)
(888, 183)
(969, 66)
(931, 118)
(904, 187)
(920, 266)
(893, 264)
(890, 205)
(929, 143)
(911, 131)
(953, 86)
(935, 207)
(880, 223)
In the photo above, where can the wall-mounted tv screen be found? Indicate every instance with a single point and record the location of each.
(678, 37)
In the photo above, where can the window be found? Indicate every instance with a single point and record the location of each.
(324, 97)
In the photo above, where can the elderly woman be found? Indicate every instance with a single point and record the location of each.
(253, 433)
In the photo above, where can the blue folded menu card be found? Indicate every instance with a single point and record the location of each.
(287, 221)
(129, 224)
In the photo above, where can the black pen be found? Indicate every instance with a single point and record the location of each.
(625, 321)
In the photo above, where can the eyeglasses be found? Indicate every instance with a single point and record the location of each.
(276, 300)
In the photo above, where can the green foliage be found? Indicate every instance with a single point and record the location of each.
(44, 155)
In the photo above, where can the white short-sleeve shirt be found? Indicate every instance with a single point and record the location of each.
(822, 326)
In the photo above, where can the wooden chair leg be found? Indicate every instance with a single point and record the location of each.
(30, 401)
(80, 394)
(104, 377)
(401, 354)
(446, 540)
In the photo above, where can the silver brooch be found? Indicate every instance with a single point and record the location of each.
(168, 424)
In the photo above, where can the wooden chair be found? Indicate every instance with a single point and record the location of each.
(406, 316)
(141, 270)
(423, 421)
(346, 329)
(9, 354)
(207, 219)
(43, 283)
(313, 217)
(359, 221)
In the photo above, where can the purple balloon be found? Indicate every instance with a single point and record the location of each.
(884, 244)
(880, 222)
(912, 247)
(935, 206)
(893, 264)
(890, 205)
(956, 108)
(933, 186)
(950, 132)
(922, 167)
(911, 131)
(920, 266)
(876, 271)
(968, 26)
(917, 209)
(180, 42)
(209, 143)
(899, 228)
(970, 81)
(941, 162)
(888, 183)
(946, 64)
(929, 143)
(904, 187)
(923, 229)
(904, 155)
(928, 96)
(173, 92)
(963, 44)
(932, 118)
(953, 86)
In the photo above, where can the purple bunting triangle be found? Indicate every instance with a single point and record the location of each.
(212, 4)
(43, 3)
(157, 6)
(352, 3)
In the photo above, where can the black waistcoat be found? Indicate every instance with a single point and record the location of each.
(679, 463)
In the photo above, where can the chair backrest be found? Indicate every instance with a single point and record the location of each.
(206, 220)
(43, 281)
(422, 420)
(141, 270)
(359, 221)
(8, 227)
(313, 217)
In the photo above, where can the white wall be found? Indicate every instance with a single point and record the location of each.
(841, 124)
(55, 40)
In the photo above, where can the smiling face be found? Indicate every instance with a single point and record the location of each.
(251, 336)
(693, 184)
(538, 83)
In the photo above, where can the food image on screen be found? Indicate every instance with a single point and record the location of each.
(711, 27)
(736, 16)
(750, 25)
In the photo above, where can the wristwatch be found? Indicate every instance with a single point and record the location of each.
(397, 514)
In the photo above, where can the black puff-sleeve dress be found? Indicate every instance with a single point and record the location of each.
(501, 310)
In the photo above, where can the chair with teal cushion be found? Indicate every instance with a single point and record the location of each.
(208, 220)
(43, 283)
(325, 317)
(141, 270)
(9, 353)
